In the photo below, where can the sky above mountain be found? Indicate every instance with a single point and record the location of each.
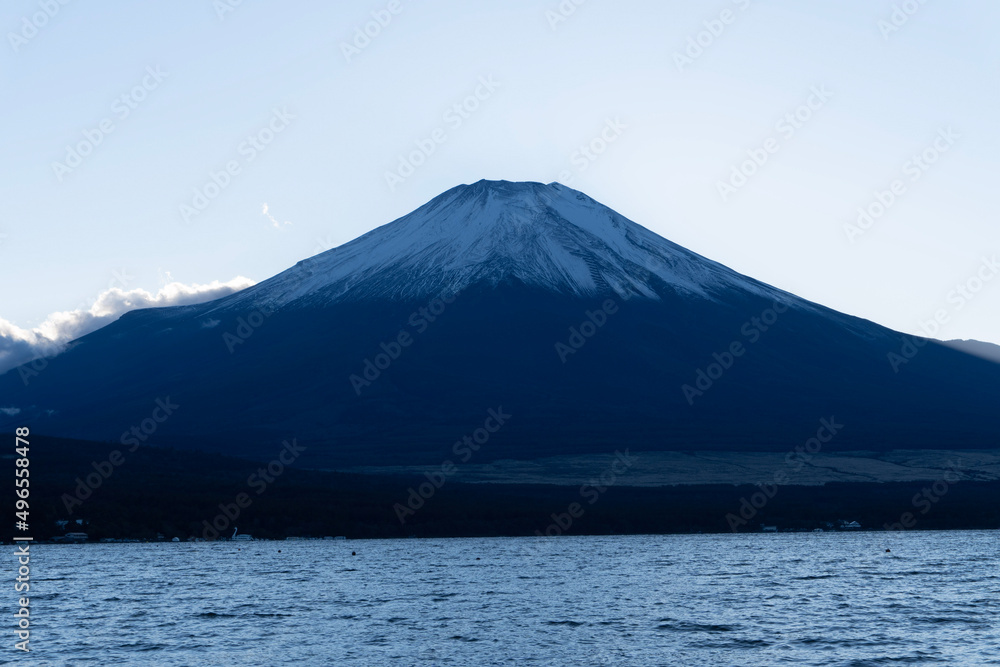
(195, 143)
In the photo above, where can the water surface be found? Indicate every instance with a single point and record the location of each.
(795, 599)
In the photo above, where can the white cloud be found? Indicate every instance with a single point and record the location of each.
(265, 212)
(11, 412)
(18, 346)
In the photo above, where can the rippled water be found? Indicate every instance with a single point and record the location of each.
(798, 599)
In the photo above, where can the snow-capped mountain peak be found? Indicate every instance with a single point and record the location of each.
(545, 236)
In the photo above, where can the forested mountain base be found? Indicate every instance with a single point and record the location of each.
(182, 494)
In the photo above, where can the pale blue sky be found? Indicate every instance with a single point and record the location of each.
(684, 131)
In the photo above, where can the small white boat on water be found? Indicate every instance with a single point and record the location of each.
(241, 538)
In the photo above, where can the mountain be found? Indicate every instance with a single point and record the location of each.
(506, 321)
(547, 237)
(978, 348)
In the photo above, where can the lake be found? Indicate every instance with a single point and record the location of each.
(761, 599)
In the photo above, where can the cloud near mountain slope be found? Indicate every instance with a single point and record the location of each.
(19, 345)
